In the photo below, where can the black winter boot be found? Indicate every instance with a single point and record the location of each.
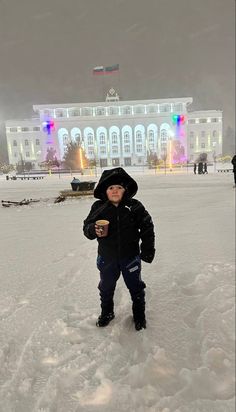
(139, 310)
(107, 314)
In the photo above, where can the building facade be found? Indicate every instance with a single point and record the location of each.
(115, 132)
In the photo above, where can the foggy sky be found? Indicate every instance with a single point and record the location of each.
(165, 48)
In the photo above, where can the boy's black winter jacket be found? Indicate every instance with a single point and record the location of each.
(131, 230)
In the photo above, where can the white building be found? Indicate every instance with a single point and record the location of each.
(118, 132)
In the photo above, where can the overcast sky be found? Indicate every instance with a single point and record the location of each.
(165, 48)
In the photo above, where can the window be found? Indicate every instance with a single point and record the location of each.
(203, 133)
(26, 142)
(103, 151)
(115, 150)
(48, 113)
(14, 143)
(15, 154)
(100, 111)
(151, 147)
(214, 133)
(13, 129)
(127, 148)
(139, 109)
(152, 109)
(24, 129)
(37, 142)
(27, 154)
(191, 146)
(102, 138)
(36, 128)
(202, 120)
(87, 111)
(138, 137)
(192, 121)
(191, 135)
(151, 136)
(178, 107)
(74, 112)
(164, 135)
(139, 148)
(165, 108)
(126, 110)
(214, 120)
(126, 137)
(203, 145)
(113, 110)
(60, 113)
(90, 139)
(114, 138)
(91, 151)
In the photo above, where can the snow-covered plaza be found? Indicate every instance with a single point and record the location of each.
(52, 356)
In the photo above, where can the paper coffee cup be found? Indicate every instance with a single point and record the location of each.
(103, 227)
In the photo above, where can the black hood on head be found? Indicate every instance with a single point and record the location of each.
(117, 176)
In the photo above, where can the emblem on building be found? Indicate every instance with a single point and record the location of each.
(112, 95)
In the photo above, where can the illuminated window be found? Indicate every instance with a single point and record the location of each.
(114, 138)
(102, 138)
(126, 137)
(127, 148)
(138, 137)
(90, 139)
(115, 150)
(103, 150)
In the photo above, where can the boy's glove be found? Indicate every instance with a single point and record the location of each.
(147, 256)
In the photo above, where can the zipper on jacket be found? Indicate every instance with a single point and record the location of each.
(118, 232)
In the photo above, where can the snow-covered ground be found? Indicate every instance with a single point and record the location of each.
(52, 356)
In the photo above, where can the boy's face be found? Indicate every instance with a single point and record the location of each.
(115, 193)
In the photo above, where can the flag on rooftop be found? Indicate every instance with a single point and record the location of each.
(112, 69)
(98, 70)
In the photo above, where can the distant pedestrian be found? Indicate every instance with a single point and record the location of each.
(205, 168)
(200, 168)
(195, 168)
(233, 161)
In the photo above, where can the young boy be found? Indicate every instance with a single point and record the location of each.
(120, 251)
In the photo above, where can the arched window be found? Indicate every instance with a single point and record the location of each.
(114, 138)
(90, 139)
(102, 138)
(164, 135)
(138, 137)
(126, 137)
